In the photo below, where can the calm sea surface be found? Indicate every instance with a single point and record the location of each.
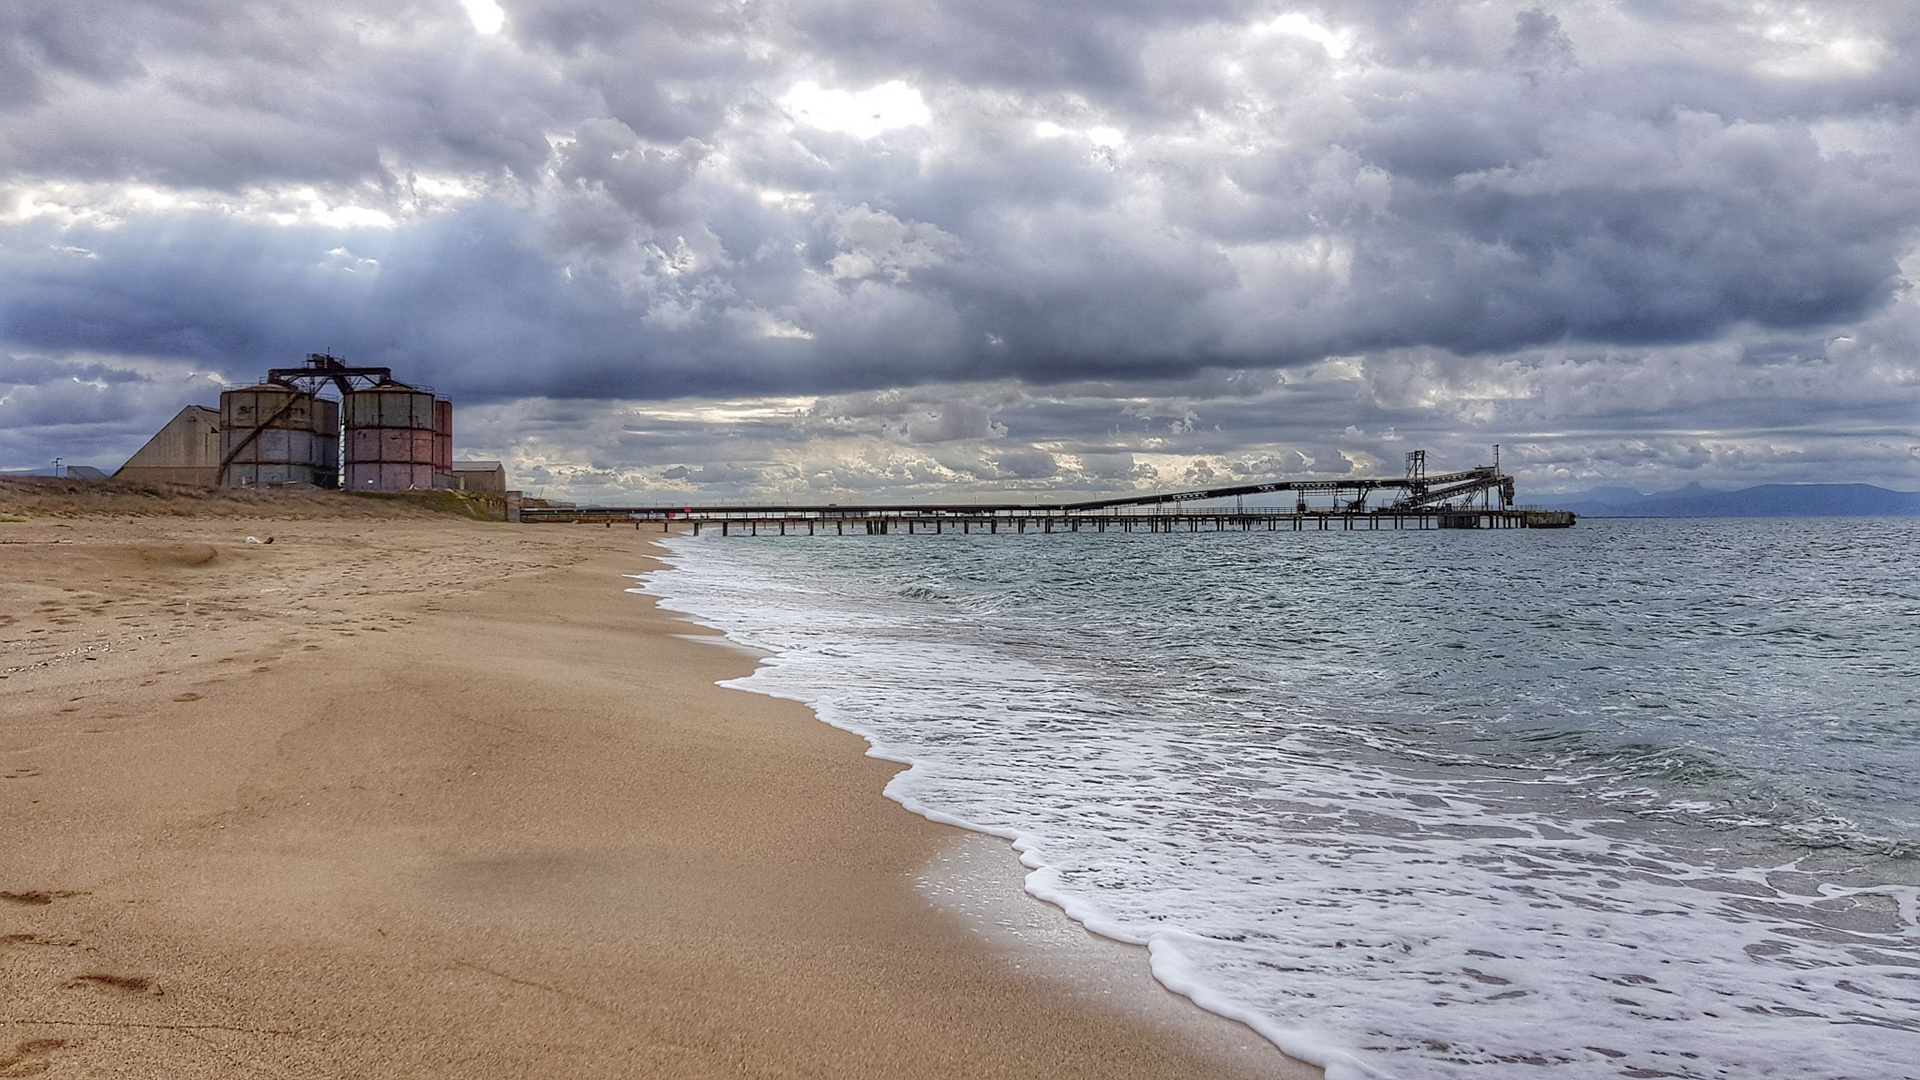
(1641, 798)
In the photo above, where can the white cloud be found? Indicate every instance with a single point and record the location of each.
(875, 244)
(1808, 44)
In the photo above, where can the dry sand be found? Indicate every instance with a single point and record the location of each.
(402, 795)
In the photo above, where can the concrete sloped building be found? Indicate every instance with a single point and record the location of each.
(186, 451)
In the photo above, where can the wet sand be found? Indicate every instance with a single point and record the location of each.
(421, 797)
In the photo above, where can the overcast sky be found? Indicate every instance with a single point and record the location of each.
(864, 248)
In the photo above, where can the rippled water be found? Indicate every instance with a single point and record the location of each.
(1634, 799)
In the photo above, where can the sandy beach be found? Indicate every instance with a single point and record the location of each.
(398, 794)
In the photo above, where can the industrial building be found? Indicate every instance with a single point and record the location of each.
(186, 451)
(377, 434)
(487, 476)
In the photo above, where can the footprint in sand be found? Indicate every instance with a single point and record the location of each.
(38, 939)
(29, 1058)
(126, 984)
(38, 897)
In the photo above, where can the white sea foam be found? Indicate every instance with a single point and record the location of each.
(1365, 901)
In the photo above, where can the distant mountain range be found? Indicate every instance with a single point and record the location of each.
(1767, 500)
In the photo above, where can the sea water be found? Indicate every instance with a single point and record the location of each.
(1632, 799)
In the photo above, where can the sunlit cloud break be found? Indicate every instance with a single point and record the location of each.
(862, 113)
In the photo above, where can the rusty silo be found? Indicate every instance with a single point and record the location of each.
(273, 435)
(392, 438)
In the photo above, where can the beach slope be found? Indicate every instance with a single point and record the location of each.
(401, 795)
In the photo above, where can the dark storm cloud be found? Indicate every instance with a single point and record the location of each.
(224, 95)
(1767, 408)
(1072, 45)
(42, 36)
(90, 411)
(613, 200)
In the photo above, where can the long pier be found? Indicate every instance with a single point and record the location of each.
(1421, 500)
(881, 521)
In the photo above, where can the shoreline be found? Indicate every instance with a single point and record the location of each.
(424, 797)
(978, 878)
